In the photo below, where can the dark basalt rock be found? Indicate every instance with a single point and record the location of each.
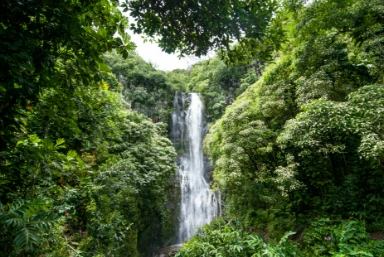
(167, 251)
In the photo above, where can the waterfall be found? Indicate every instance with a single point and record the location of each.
(198, 205)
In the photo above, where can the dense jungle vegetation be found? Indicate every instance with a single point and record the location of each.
(82, 172)
(299, 155)
(295, 104)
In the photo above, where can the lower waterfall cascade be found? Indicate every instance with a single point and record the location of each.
(198, 205)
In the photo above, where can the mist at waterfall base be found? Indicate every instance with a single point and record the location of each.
(198, 205)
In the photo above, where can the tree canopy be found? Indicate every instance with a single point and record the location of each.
(195, 26)
(37, 37)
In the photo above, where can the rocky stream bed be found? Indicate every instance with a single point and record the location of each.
(167, 251)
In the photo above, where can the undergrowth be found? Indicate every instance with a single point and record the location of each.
(324, 237)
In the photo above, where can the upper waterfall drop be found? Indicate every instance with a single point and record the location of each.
(198, 204)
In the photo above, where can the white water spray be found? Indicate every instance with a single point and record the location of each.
(198, 204)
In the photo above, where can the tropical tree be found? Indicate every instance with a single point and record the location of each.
(194, 27)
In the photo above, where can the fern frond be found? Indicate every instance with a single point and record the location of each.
(16, 222)
(27, 239)
(16, 206)
(28, 219)
(43, 221)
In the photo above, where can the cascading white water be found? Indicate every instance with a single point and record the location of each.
(198, 204)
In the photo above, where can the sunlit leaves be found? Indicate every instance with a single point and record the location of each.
(316, 112)
(325, 121)
(337, 145)
(225, 240)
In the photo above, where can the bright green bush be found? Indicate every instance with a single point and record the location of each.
(229, 239)
(326, 237)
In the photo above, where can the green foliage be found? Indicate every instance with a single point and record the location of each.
(334, 143)
(66, 131)
(33, 165)
(106, 190)
(133, 188)
(194, 27)
(149, 91)
(35, 35)
(305, 140)
(225, 240)
(26, 221)
(219, 84)
(178, 78)
(241, 145)
(326, 237)
(84, 174)
(259, 50)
